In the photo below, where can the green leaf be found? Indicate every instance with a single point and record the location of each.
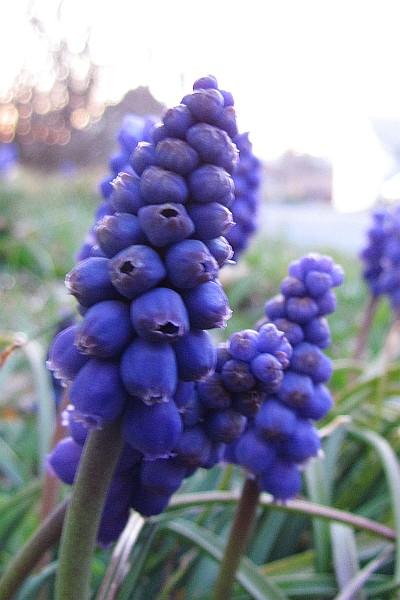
(248, 575)
(314, 585)
(352, 590)
(392, 472)
(345, 558)
(32, 585)
(45, 397)
(10, 464)
(317, 490)
(266, 533)
(119, 562)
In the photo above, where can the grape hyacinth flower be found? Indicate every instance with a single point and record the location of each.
(245, 207)
(371, 255)
(281, 436)
(148, 293)
(134, 129)
(381, 256)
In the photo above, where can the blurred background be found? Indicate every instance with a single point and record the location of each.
(314, 82)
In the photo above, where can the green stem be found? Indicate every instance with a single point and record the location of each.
(44, 537)
(365, 326)
(237, 542)
(78, 540)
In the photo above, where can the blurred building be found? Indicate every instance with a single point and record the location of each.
(297, 177)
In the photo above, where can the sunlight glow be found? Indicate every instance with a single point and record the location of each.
(305, 75)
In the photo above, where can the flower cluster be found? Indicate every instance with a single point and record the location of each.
(245, 207)
(281, 435)
(381, 255)
(133, 130)
(148, 293)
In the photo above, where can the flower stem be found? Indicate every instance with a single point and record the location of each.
(78, 539)
(365, 326)
(237, 542)
(44, 537)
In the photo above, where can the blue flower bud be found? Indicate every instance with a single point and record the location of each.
(296, 389)
(177, 121)
(176, 155)
(301, 309)
(136, 270)
(270, 338)
(141, 365)
(64, 460)
(189, 263)
(266, 368)
(253, 453)
(165, 224)
(195, 355)
(243, 345)
(153, 430)
(64, 358)
(292, 286)
(143, 156)
(207, 305)
(105, 329)
(275, 308)
(160, 314)
(97, 393)
(213, 145)
(225, 426)
(248, 403)
(274, 421)
(326, 303)
(212, 393)
(162, 476)
(302, 444)
(90, 282)
(159, 132)
(210, 183)
(221, 250)
(129, 458)
(126, 197)
(317, 332)
(211, 220)
(193, 447)
(148, 504)
(206, 82)
(282, 480)
(318, 283)
(309, 360)
(193, 413)
(185, 394)
(159, 186)
(227, 121)
(237, 376)
(116, 232)
(206, 105)
(77, 430)
(318, 405)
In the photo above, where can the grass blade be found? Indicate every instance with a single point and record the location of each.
(391, 468)
(317, 490)
(349, 592)
(45, 397)
(248, 575)
(34, 583)
(345, 559)
(10, 464)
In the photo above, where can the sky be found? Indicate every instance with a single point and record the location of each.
(309, 75)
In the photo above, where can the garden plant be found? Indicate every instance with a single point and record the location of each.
(199, 412)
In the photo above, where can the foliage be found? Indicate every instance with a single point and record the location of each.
(298, 550)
